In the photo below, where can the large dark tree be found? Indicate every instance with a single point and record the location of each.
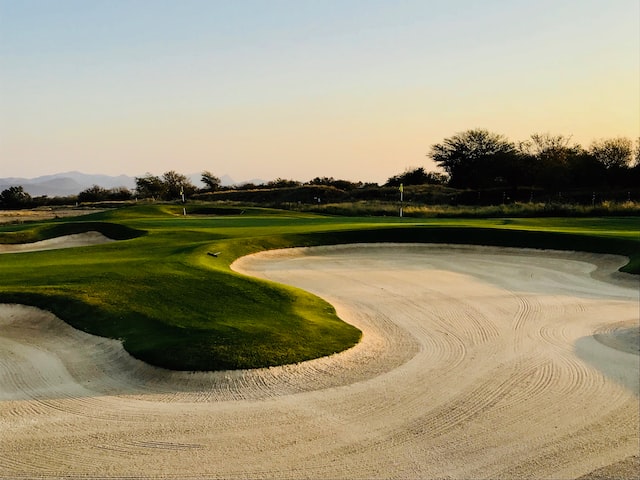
(475, 158)
(613, 152)
(15, 197)
(615, 155)
(554, 161)
(169, 187)
(175, 184)
(149, 186)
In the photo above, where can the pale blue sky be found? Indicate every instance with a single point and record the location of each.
(355, 89)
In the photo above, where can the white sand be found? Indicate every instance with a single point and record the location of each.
(475, 363)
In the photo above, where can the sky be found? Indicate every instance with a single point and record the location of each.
(298, 89)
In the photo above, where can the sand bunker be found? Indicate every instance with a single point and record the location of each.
(475, 363)
(45, 213)
(66, 241)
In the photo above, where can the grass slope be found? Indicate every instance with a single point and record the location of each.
(177, 307)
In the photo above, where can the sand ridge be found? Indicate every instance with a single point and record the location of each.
(475, 362)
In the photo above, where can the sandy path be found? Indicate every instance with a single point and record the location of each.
(475, 363)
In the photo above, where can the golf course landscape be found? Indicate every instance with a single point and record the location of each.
(319, 240)
(217, 341)
(175, 305)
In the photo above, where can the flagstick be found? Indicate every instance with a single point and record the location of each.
(401, 197)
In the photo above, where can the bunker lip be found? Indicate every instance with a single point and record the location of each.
(623, 336)
(490, 362)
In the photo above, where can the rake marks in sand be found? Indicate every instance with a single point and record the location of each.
(461, 373)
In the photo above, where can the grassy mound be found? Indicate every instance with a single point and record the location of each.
(31, 233)
(177, 307)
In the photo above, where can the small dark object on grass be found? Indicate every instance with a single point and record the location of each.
(214, 254)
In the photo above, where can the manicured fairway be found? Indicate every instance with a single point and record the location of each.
(176, 306)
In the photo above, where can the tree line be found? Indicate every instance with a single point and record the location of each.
(478, 158)
(475, 160)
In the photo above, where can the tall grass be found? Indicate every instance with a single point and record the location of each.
(378, 208)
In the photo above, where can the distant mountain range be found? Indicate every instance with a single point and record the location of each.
(72, 183)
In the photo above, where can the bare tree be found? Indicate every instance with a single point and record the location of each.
(211, 181)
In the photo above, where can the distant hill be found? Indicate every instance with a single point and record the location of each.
(72, 183)
(65, 184)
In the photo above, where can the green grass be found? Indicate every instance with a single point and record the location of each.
(177, 307)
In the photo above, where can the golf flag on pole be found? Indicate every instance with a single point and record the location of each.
(401, 188)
